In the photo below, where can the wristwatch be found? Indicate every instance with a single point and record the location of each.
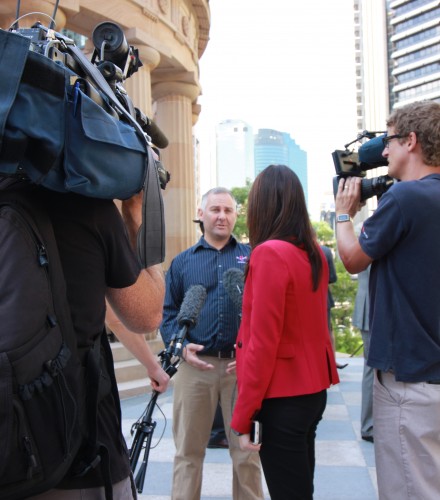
(343, 218)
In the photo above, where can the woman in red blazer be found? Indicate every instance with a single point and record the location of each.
(285, 360)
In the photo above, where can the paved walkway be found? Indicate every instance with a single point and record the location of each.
(345, 464)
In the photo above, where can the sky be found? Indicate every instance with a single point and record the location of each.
(286, 65)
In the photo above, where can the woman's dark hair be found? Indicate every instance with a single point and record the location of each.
(277, 211)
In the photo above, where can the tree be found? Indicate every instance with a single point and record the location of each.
(347, 339)
(241, 195)
(324, 233)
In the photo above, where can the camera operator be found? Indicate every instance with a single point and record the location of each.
(98, 263)
(402, 240)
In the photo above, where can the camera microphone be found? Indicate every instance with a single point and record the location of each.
(187, 318)
(158, 138)
(233, 281)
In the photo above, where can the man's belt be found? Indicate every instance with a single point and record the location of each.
(230, 354)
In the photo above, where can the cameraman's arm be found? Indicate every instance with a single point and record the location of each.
(138, 346)
(348, 202)
(139, 306)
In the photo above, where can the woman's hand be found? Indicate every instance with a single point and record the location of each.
(246, 443)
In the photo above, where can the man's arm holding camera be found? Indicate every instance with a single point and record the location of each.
(139, 306)
(348, 203)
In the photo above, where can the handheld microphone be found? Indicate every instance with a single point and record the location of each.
(233, 281)
(190, 309)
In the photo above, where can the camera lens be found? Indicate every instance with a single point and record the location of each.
(375, 186)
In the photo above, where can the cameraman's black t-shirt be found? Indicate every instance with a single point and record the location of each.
(95, 254)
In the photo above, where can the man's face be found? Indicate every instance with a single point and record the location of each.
(218, 217)
(397, 156)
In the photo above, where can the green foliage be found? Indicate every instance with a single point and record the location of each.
(347, 338)
(324, 233)
(241, 195)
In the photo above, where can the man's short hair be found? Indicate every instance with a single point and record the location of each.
(216, 190)
(423, 118)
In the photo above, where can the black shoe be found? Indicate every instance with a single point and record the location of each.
(222, 443)
(370, 439)
(341, 367)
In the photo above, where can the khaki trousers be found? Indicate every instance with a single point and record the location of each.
(406, 438)
(196, 394)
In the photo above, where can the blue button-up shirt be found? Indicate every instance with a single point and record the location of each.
(202, 264)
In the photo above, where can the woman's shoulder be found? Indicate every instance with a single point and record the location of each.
(276, 245)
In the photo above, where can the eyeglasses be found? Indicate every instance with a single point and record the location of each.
(388, 138)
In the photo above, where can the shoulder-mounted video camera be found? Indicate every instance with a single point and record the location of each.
(349, 163)
(115, 60)
(67, 123)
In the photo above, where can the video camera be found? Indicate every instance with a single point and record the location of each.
(355, 164)
(115, 59)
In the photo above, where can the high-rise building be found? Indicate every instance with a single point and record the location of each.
(414, 30)
(235, 153)
(274, 147)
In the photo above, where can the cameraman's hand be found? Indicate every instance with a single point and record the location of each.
(348, 197)
(190, 356)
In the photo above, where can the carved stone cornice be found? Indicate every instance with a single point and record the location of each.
(168, 88)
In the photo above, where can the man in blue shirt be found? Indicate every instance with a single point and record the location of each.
(402, 240)
(208, 374)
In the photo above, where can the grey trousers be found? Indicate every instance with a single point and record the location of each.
(367, 390)
(406, 438)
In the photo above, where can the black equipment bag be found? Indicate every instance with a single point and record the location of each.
(43, 416)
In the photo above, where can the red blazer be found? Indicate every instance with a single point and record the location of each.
(283, 345)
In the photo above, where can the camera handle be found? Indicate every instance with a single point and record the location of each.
(145, 427)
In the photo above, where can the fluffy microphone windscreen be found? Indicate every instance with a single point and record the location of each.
(191, 306)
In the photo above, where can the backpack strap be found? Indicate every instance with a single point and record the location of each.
(95, 453)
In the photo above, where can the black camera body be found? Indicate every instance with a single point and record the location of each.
(355, 164)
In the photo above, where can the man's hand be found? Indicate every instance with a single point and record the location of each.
(232, 367)
(348, 197)
(190, 356)
(159, 378)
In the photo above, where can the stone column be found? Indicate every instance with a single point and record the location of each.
(174, 116)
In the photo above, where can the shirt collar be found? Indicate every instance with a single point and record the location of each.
(202, 243)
